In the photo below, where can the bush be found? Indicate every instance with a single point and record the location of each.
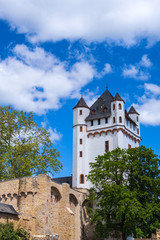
(7, 232)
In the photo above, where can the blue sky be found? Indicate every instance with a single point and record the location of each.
(52, 52)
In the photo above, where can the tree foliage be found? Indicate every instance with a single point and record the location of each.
(7, 232)
(126, 192)
(25, 149)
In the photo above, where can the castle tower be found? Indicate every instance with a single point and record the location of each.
(80, 112)
(104, 126)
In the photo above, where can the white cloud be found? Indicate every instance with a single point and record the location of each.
(145, 61)
(37, 81)
(90, 96)
(121, 21)
(54, 135)
(139, 71)
(149, 105)
(106, 70)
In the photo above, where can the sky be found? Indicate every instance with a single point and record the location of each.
(54, 51)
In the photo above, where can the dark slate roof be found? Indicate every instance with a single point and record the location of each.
(128, 117)
(103, 102)
(117, 97)
(61, 180)
(81, 103)
(6, 208)
(132, 111)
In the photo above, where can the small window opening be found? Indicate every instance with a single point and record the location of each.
(137, 119)
(137, 130)
(113, 106)
(80, 153)
(129, 146)
(92, 112)
(81, 179)
(80, 112)
(106, 120)
(114, 120)
(105, 110)
(80, 140)
(91, 122)
(119, 106)
(120, 119)
(80, 128)
(106, 145)
(99, 121)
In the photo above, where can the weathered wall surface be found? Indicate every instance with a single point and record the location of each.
(45, 207)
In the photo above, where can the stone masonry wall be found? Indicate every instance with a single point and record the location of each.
(45, 207)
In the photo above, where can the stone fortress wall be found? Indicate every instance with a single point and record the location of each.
(46, 207)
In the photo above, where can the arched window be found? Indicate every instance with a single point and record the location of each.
(81, 179)
(137, 118)
(55, 195)
(113, 106)
(137, 130)
(119, 106)
(120, 119)
(114, 120)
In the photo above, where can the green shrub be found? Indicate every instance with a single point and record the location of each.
(7, 232)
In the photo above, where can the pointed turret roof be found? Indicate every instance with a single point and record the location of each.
(81, 103)
(117, 97)
(132, 111)
(103, 102)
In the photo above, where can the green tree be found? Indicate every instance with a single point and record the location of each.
(7, 232)
(126, 192)
(25, 149)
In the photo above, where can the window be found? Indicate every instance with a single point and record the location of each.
(81, 129)
(106, 120)
(80, 141)
(81, 179)
(106, 145)
(120, 119)
(80, 153)
(93, 112)
(113, 106)
(137, 118)
(105, 110)
(99, 121)
(129, 146)
(91, 122)
(119, 106)
(80, 112)
(114, 120)
(137, 130)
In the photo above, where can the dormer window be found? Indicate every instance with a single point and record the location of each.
(92, 112)
(113, 106)
(105, 110)
(120, 106)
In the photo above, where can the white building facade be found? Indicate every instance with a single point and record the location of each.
(104, 126)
